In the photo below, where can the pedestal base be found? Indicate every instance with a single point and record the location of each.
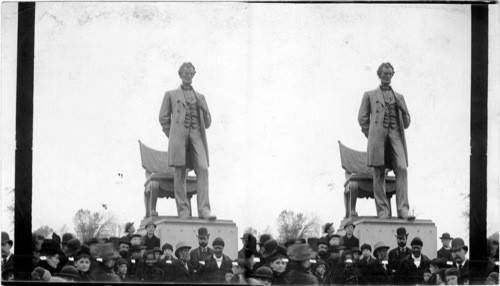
(173, 229)
(370, 230)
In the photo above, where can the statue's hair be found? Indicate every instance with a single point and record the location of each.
(186, 65)
(384, 65)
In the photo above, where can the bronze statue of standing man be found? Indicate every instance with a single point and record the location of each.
(184, 116)
(383, 117)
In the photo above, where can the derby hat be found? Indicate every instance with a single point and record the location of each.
(218, 241)
(301, 252)
(323, 240)
(269, 247)
(366, 246)
(179, 246)
(378, 246)
(401, 232)
(124, 241)
(121, 261)
(263, 238)
(128, 225)
(203, 232)
(348, 224)
(51, 247)
(439, 262)
(73, 245)
(70, 271)
(458, 243)
(167, 246)
(279, 252)
(67, 237)
(417, 241)
(452, 272)
(327, 227)
(320, 262)
(264, 272)
(105, 251)
(6, 238)
(446, 236)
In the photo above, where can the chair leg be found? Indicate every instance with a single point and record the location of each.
(354, 199)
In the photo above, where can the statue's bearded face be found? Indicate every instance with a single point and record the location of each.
(386, 75)
(187, 75)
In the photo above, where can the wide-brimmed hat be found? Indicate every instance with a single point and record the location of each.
(446, 236)
(203, 232)
(301, 252)
(263, 238)
(458, 243)
(269, 247)
(150, 223)
(70, 271)
(179, 246)
(265, 273)
(105, 251)
(417, 241)
(73, 245)
(378, 246)
(128, 225)
(167, 246)
(6, 238)
(327, 226)
(348, 224)
(51, 247)
(401, 232)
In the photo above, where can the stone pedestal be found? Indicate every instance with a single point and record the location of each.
(372, 229)
(172, 229)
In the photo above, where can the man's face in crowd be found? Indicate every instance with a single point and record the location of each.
(349, 230)
(184, 254)
(136, 254)
(135, 240)
(416, 249)
(382, 254)
(427, 276)
(168, 253)
(278, 265)
(122, 269)
(355, 256)
(446, 242)
(335, 254)
(53, 260)
(187, 75)
(203, 241)
(402, 241)
(451, 280)
(335, 241)
(5, 249)
(322, 249)
(150, 260)
(83, 264)
(386, 75)
(331, 229)
(131, 229)
(124, 247)
(218, 249)
(433, 268)
(367, 253)
(150, 229)
(458, 255)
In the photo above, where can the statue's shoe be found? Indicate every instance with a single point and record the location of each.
(408, 217)
(210, 217)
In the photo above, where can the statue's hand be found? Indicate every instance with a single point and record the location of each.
(203, 106)
(401, 105)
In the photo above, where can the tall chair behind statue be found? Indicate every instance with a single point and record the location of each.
(160, 179)
(359, 179)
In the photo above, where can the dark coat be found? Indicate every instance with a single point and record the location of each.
(101, 273)
(375, 274)
(301, 276)
(181, 274)
(464, 272)
(198, 255)
(335, 269)
(396, 257)
(281, 279)
(45, 265)
(349, 242)
(149, 274)
(212, 273)
(363, 262)
(444, 253)
(7, 267)
(408, 273)
(152, 242)
(168, 269)
(133, 266)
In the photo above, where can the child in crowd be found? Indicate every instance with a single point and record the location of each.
(121, 269)
(149, 272)
(82, 263)
(427, 276)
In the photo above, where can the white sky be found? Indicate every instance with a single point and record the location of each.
(283, 83)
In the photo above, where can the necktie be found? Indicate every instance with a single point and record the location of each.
(459, 266)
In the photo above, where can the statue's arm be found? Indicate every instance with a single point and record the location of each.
(166, 114)
(404, 113)
(364, 114)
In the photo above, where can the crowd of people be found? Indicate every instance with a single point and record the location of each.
(329, 260)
